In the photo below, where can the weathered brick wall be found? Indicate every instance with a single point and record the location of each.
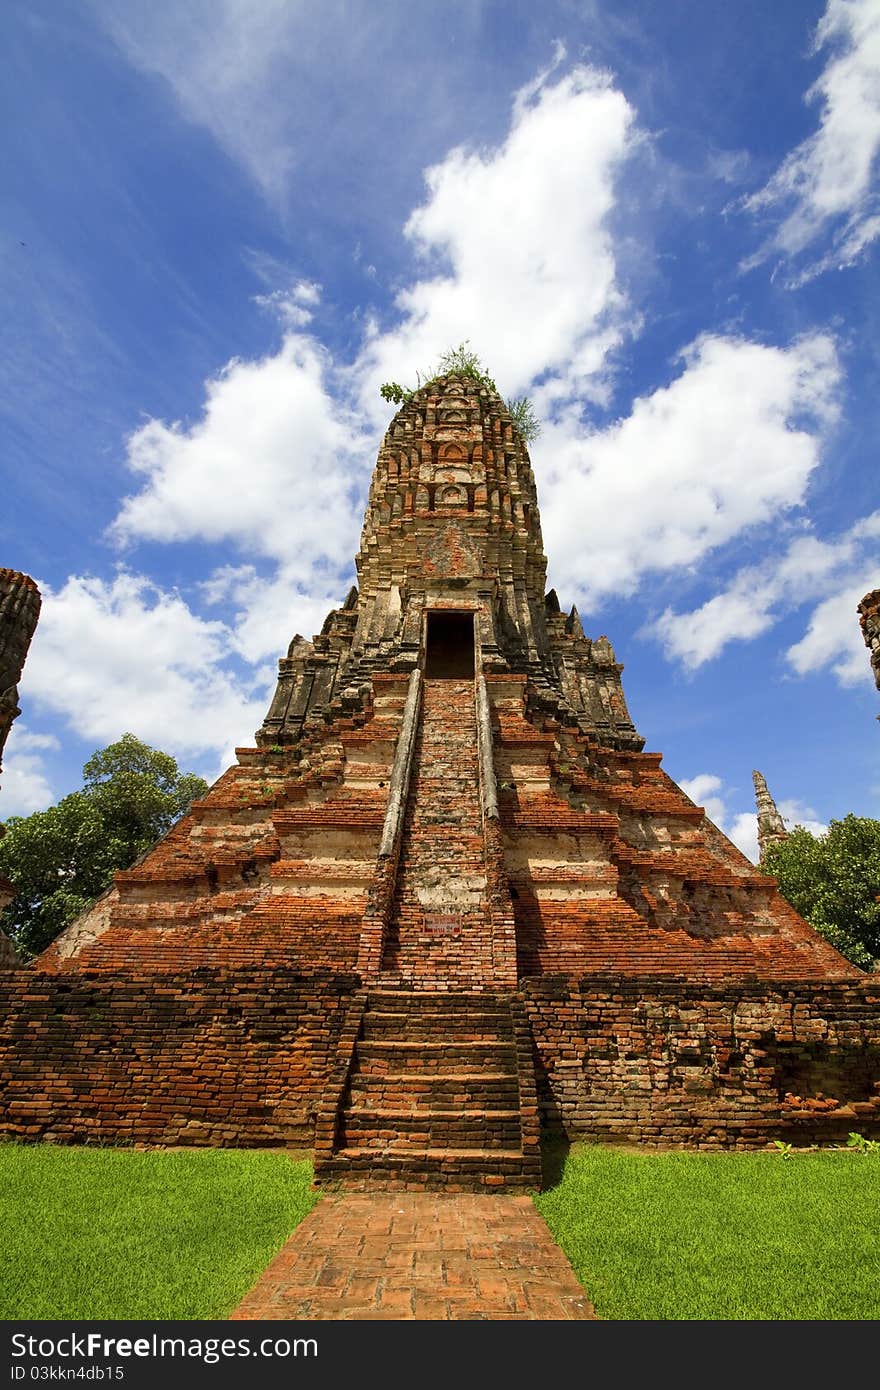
(308, 934)
(19, 611)
(203, 1057)
(661, 1062)
(223, 1057)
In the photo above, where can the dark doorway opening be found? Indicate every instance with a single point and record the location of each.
(450, 647)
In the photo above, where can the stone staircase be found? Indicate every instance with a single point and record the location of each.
(438, 1092)
(440, 934)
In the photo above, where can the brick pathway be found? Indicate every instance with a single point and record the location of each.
(418, 1256)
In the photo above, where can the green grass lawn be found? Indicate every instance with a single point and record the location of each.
(119, 1233)
(704, 1235)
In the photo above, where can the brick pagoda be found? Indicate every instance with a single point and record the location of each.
(447, 898)
(19, 610)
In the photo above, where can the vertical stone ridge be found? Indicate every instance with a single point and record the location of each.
(381, 894)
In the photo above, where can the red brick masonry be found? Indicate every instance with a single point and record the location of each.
(425, 912)
(403, 1257)
(243, 1057)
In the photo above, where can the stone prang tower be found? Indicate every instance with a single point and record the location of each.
(452, 565)
(447, 898)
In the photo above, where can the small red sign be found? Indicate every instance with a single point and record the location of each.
(443, 923)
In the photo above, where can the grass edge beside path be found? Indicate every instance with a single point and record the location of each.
(680, 1234)
(113, 1233)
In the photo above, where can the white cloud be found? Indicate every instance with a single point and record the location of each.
(518, 245)
(226, 62)
(741, 827)
(833, 637)
(794, 812)
(278, 465)
(270, 611)
(825, 184)
(708, 790)
(704, 790)
(838, 572)
(26, 787)
(273, 456)
(731, 443)
(123, 655)
(293, 305)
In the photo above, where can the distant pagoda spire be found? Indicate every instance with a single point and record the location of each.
(771, 827)
(869, 618)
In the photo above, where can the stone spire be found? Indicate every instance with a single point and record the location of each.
(452, 525)
(869, 618)
(771, 827)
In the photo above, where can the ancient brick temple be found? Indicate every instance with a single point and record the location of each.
(447, 898)
(19, 610)
(869, 619)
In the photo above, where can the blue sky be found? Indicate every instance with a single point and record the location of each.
(226, 222)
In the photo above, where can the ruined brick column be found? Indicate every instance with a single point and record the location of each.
(869, 618)
(771, 826)
(19, 611)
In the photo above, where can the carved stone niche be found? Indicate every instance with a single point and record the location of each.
(451, 495)
(452, 456)
(452, 477)
(454, 411)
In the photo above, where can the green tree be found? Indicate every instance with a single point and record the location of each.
(463, 361)
(60, 860)
(833, 880)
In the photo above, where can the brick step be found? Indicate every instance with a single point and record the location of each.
(478, 1052)
(442, 770)
(407, 903)
(443, 843)
(439, 845)
(450, 825)
(397, 1131)
(459, 764)
(443, 1181)
(342, 815)
(456, 857)
(433, 1057)
(323, 870)
(487, 1000)
(472, 1161)
(438, 1091)
(471, 1025)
